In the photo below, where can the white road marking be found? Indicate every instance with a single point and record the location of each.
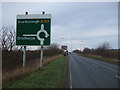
(95, 65)
(117, 76)
(70, 75)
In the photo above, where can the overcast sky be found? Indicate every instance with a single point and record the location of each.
(76, 24)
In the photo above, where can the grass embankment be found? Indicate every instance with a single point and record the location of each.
(109, 60)
(30, 67)
(53, 76)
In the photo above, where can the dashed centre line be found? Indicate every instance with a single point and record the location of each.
(95, 65)
(117, 76)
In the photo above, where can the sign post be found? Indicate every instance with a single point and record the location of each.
(34, 30)
(24, 50)
(41, 58)
(24, 56)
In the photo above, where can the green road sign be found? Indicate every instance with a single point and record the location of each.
(33, 29)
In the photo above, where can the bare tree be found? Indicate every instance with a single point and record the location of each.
(4, 38)
(53, 46)
(11, 38)
(0, 39)
(104, 46)
(8, 38)
(103, 49)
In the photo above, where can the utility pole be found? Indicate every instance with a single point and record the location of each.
(71, 44)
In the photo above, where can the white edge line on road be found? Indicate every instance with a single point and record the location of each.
(70, 75)
(117, 76)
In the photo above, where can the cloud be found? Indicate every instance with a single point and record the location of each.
(0, 15)
(59, 1)
(90, 22)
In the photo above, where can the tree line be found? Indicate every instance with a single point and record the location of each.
(104, 50)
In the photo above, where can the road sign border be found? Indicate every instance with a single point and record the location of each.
(34, 16)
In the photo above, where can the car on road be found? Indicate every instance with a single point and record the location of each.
(65, 52)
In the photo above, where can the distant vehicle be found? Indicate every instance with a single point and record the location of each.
(69, 52)
(64, 47)
(65, 53)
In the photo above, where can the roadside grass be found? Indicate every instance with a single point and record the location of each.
(109, 60)
(52, 76)
(19, 72)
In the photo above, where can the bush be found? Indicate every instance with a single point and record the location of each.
(103, 50)
(77, 51)
(52, 50)
(87, 51)
(13, 59)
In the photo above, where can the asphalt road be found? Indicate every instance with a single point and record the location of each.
(90, 73)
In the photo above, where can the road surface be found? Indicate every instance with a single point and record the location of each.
(90, 73)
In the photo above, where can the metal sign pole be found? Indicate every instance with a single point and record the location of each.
(41, 42)
(41, 58)
(24, 56)
(24, 50)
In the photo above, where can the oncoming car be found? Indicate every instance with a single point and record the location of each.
(65, 53)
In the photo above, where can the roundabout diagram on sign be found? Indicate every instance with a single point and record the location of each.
(42, 30)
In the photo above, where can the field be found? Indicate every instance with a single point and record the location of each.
(52, 76)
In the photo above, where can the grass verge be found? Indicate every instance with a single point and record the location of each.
(109, 60)
(53, 76)
(19, 72)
